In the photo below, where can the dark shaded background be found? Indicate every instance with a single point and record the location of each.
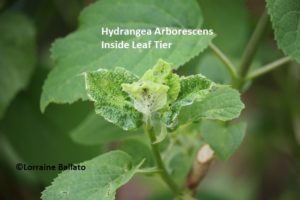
(266, 167)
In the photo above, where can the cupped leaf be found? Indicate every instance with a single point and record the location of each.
(224, 140)
(94, 130)
(148, 96)
(158, 87)
(285, 18)
(17, 56)
(222, 103)
(162, 74)
(100, 180)
(81, 51)
(192, 88)
(104, 88)
(162, 135)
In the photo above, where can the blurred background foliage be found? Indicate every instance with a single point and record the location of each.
(267, 165)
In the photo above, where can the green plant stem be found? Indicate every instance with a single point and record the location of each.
(149, 130)
(266, 68)
(152, 170)
(253, 44)
(250, 51)
(227, 63)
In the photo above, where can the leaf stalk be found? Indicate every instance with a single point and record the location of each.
(268, 67)
(150, 171)
(253, 44)
(227, 63)
(251, 50)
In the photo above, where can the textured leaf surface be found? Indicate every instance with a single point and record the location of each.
(17, 56)
(192, 88)
(80, 51)
(162, 74)
(95, 130)
(148, 96)
(157, 87)
(102, 177)
(223, 140)
(104, 88)
(285, 17)
(222, 104)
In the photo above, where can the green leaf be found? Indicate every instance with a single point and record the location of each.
(138, 150)
(223, 104)
(102, 177)
(104, 88)
(285, 18)
(80, 51)
(224, 140)
(181, 151)
(180, 165)
(94, 130)
(17, 56)
(192, 88)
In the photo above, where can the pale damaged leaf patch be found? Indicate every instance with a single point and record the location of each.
(221, 103)
(157, 88)
(123, 99)
(104, 88)
(193, 88)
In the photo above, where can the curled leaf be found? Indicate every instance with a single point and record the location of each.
(155, 90)
(192, 88)
(148, 96)
(163, 134)
(222, 103)
(104, 88)
(162, 74)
